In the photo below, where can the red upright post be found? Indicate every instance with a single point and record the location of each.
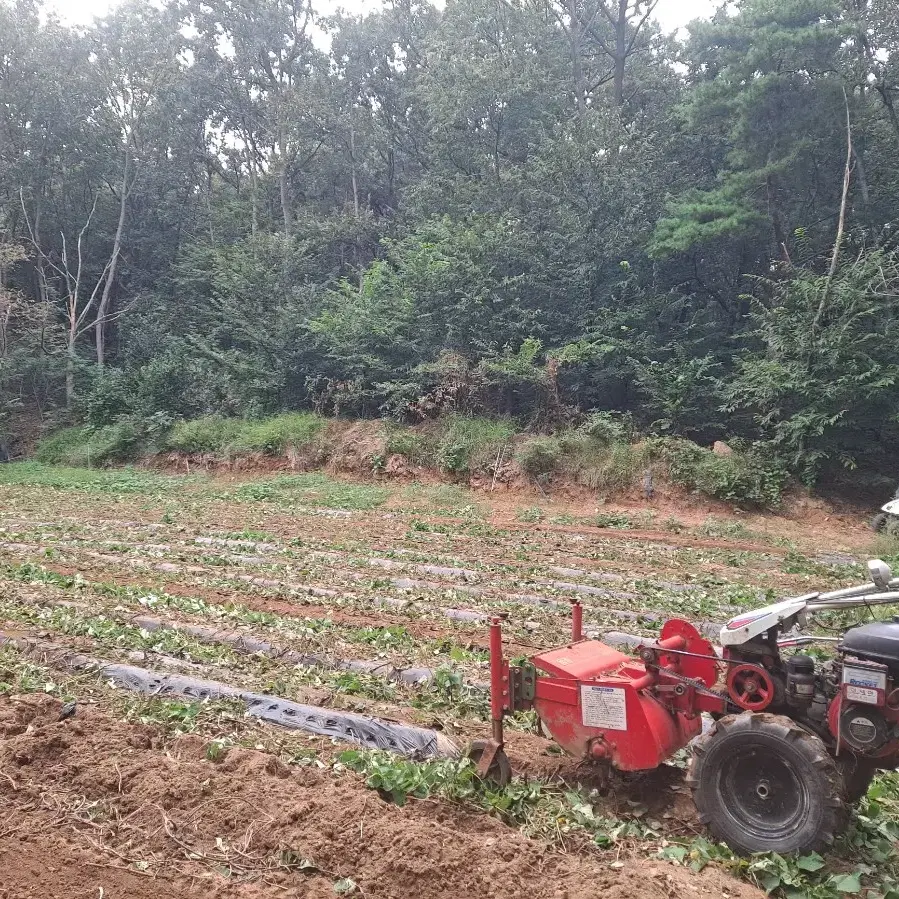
(577, 621)
(498, 686)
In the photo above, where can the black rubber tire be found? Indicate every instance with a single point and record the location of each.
(761, 783)
(500, 771)
(879, 522)
(857, 776)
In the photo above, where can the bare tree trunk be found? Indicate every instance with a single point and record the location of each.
(841, 225)
(777, 225)
(70, 366)
(209, 184)
(254, 194)
(353, 170)
(391, 176)
(39, 268)
(6, 304)
(106, 296)
(283, 179)
(621, 51)
(862, 177)
(577, 68)
(884, 90)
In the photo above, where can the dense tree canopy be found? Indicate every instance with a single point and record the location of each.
(529, 207)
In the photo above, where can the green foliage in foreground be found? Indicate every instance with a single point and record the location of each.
(541, 809)
(229, 436)
(744, 477)
(310, 490)
(470, 444)
(87, 446)
(93, 480)
(864, 861)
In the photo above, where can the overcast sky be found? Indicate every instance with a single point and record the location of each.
(671, 13)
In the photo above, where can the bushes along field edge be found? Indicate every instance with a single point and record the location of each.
(602, 455)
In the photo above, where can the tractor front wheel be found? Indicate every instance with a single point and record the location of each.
(763, 784)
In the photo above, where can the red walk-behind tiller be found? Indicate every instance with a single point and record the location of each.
(794, 744)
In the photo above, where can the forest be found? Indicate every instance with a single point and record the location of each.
(531, 210)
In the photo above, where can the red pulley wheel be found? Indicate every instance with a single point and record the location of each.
(750, 687)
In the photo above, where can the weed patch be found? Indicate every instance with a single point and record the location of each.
(210, 434)
(296, 432)
(605, 467)
(418, 448)
(742, 478)
(540, 809)
(614, 520)
(719, 527)
(310, 490)
(90, 447)
(468, 445)
(539, 457)
(114, 481)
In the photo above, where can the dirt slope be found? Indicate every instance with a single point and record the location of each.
(94, 807)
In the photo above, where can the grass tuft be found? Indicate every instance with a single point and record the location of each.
(311, 490)
(210, 434)
(276, 436)
(469, 445)
(114, 481)
(90, 447)
(742, 478)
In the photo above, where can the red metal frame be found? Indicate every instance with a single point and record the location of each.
(499, 680)
(602, 704)
(577, 621)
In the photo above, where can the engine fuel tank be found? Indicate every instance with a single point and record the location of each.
(877, 642)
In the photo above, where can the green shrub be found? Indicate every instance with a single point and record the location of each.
(615, 520)
(472, 444)
(540, 456)
(273, 436)
(608, 427)
(309, 490)
(91, 480)
(747, 477)
(717, 527)
(58, 447)
(419, 449)
(110, 398)
(210, 434)
(599, 465)
(91, 447)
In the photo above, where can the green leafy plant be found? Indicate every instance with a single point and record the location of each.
(471, 444)
(749, 477)
(531, 514)
(91, 447)
(275, 436)
(210, 434)
(539, 457)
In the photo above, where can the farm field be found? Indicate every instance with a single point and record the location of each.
(365, 598)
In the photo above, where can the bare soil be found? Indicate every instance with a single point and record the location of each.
(97, 807)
